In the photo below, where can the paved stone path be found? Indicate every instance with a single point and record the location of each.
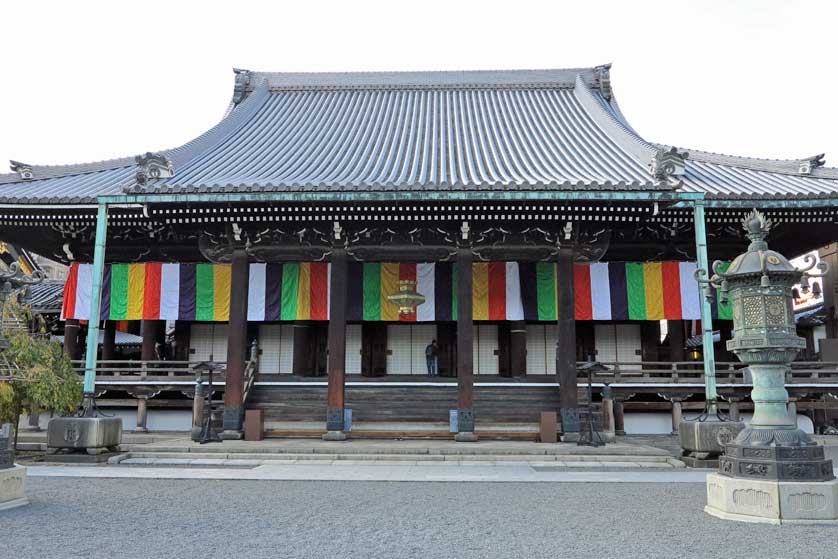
(389, 471)
(151, 518)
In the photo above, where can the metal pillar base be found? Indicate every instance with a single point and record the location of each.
(232, 417)
(335, 419)
(777, 455)
(334, 436)
(465, 420)
(231, 423)
(570, 421)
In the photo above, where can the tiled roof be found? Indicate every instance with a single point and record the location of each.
(429, 139)
(45, 297)
(402, 131)
(121, 338)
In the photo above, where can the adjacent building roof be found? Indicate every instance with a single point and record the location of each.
(120, 339)
(405, 131)
(45, 297)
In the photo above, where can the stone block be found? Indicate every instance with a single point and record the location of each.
(771, 501)
(707, 436)
(7, 459)
(743, 496)
(84, 433)
(809, 501)
(254, 425)
(12, 487)
(549, 427)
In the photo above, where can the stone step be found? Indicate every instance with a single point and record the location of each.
(243, 460)
(187, 457)
(232, 448)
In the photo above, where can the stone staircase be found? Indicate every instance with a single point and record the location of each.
(182, 452)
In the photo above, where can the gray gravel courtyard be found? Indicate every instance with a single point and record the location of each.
(126, 518)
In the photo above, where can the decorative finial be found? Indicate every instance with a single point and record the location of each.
(668, 163)
(812, 163)
(240, 87)
(22, 169)
(153, 166)
(756, 226)
(604, 74)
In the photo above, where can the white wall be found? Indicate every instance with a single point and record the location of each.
(661, 423)
(181, 420)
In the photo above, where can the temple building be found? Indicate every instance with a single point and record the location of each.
(333, 225)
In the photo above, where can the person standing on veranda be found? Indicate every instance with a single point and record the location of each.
(431, 353)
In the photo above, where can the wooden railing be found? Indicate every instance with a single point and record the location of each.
(693, 371)
(134, 368)
(605, 372)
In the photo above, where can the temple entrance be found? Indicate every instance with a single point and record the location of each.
(309, 353)
(446, 337)
(276, 348)
(406, 345)
(208, 342)
(373, 349)
(486, 349)
(619, 343)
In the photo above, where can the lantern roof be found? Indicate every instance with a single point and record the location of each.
(758, 259)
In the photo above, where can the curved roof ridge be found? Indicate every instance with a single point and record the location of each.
(235, 116)
(781, 166)
(461, 79)
(232, 121)
(614, 127)
(52, 171)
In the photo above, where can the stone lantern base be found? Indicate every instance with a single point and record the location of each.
(703, 441)
(771, 501)
(12, 485)
(69, 438)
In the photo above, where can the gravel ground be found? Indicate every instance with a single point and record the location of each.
(92, 518)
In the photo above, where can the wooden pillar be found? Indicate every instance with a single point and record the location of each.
(733, 408)
(198, 410)
(71, 338)
(300, 361)
(650, 338)
(236, 347)
(109, 341)
(465, 344)
(619, 417)
(34, 421)
(142, 414)
(518, 348)
(182, 331)
(150, 328)
(792, 410)
(336, 361)
(677, 351)
(829, 254)
(608, 413)
(566, 345)
(676, 414)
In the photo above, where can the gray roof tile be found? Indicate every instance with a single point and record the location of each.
(524, 130)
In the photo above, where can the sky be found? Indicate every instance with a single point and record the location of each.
(83, 81)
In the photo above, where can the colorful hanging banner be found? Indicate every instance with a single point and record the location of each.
(300, 291)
